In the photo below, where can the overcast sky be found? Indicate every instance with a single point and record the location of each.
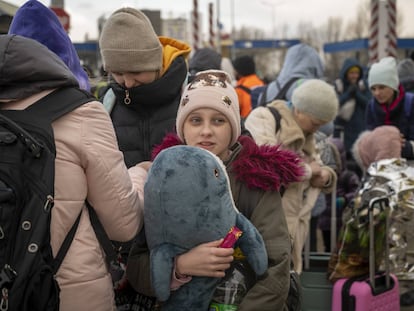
(266, 14)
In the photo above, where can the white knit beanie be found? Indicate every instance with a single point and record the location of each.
(317, 99)
(128, 43)
(384, 73)
(210, 89)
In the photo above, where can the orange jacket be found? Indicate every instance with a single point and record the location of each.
(244, 97)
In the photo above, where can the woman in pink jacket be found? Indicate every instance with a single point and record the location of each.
(88, 166)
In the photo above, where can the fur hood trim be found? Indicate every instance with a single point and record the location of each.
(264, 167)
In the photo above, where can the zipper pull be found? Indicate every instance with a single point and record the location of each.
(127, 99)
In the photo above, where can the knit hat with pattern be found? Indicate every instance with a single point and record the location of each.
(210, 89)
(384, 73)
(317, 99)
(128, 43)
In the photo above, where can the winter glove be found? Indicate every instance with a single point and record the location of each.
(352, 89)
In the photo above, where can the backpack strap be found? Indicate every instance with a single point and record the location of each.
(244, 88)
(263, 98)
(280, 95)
(276, 115)
(65, 246)
(408, 104)
(100, 233)
(53, 106)
(102, 236)
(285, 88)
(60, 101)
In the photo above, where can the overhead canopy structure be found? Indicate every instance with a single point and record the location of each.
(264, 44)
(362, 44)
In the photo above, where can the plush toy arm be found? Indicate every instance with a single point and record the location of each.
(162, 265)
(252, 245)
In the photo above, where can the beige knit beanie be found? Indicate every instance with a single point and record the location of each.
(210, 89)
(316, 98)
(128, 43)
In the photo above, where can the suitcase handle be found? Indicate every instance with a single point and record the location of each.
(382, 204)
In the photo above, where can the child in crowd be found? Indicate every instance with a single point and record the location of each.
(314, 103)
(208, 117)
(383, 142)
(391, 104)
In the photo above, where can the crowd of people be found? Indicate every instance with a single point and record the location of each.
(287, 145)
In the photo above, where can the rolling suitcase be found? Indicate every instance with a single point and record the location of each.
(379, 291)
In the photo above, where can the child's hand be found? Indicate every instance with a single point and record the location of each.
(321, 180)
(206, 259)
(146, 165)
(316, 168)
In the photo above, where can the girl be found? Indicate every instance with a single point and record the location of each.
(208, 117)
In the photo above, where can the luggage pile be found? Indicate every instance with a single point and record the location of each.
(372, 253)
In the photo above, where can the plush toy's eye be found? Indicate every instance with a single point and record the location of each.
(216, 172)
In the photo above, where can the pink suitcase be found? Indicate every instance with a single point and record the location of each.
(379, 291)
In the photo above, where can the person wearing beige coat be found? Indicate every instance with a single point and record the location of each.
(88, 166)
(313, 104)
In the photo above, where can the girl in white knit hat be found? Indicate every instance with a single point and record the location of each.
(208, 117)
(391, 104)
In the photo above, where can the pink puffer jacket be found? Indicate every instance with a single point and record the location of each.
(89, 166)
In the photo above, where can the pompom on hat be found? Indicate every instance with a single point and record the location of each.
(317, 99)
(128, 43)
(210, 89)
(385, 73)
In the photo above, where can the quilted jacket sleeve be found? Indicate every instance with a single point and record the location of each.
(110, 187)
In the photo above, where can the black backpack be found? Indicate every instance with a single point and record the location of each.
(27, 171)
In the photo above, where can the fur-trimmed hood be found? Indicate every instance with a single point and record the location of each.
(263, 167)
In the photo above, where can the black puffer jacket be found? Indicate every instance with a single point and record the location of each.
(151, 114)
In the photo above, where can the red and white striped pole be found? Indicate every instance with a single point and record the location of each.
(212, 36)
(196, 38)
(392, 31)
(383, 36)
(373, 32)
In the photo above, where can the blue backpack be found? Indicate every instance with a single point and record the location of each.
(254, 93)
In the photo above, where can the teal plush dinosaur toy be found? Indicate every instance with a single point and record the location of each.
(188, 201)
